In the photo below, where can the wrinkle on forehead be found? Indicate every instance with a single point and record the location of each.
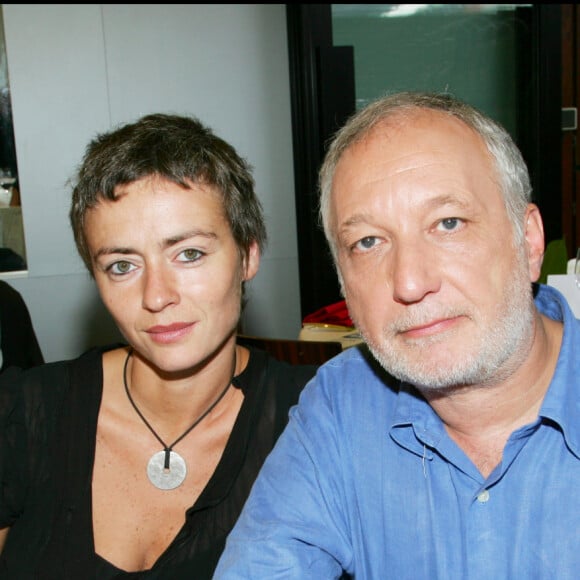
(429, 158)
(414, 143)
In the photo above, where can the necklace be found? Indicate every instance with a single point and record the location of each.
(167, 469)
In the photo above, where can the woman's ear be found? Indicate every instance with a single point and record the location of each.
(252, 262)
(534, 234)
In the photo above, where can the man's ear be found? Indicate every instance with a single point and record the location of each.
(534, 234)
(252, 262)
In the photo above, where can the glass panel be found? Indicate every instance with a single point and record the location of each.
(12, 248)
(468, 50)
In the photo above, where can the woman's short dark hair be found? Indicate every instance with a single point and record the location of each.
(177, 148)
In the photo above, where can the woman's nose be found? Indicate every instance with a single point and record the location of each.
(159, 289)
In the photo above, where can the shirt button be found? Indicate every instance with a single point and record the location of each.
(483, 496)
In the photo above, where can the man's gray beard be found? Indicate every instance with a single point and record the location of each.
(501, 350)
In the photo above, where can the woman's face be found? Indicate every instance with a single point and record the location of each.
(168, 270)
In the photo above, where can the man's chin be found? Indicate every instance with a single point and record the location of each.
(422, 371)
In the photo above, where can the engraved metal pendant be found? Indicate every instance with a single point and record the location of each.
(166, 469)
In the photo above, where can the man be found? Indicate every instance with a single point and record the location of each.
(452, 448)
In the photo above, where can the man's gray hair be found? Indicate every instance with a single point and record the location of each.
(511, 170)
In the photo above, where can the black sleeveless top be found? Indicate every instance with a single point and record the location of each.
(48, 422)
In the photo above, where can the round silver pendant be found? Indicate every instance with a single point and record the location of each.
(163, 478)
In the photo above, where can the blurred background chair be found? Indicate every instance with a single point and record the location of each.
(330, 323)
(304, 352)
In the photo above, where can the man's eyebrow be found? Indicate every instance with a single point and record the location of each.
(354, 220)
(446, 199)
(430, 203)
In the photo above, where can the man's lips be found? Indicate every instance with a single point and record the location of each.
(429, 328)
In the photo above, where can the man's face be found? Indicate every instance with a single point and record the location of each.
(426, 254)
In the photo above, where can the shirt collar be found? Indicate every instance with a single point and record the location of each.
(561, 403)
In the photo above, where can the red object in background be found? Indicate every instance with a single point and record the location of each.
(336, 313)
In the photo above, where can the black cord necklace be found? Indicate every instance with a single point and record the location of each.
(167, 469)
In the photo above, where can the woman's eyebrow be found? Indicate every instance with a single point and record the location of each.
(111, 250)
(167, 242)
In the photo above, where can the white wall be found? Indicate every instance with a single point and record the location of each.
(79, 69)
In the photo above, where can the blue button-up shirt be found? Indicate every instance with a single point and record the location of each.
(366, 479)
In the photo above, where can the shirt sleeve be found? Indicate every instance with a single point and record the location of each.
(18, 339)
(294, 524)
(13, 448)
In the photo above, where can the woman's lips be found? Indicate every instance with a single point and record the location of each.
(169, 333)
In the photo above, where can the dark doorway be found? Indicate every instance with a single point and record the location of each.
(509, 65)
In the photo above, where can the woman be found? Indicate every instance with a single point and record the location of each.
(135, 460)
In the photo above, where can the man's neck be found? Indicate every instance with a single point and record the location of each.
(480, 419)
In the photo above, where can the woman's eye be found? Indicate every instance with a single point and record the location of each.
(121, 267)
(190, 255)
(449, 224)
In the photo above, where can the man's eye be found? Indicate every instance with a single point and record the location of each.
(366, 243)
(121, 267)
(190, 255)
(449, 224)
